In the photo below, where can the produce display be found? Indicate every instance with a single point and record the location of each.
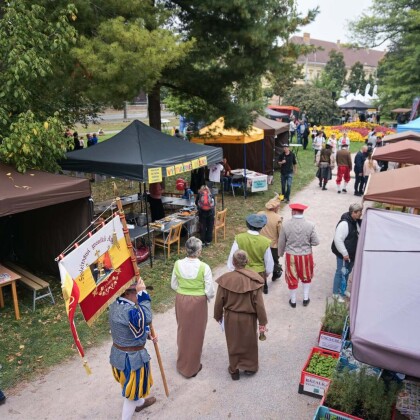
(322, 365)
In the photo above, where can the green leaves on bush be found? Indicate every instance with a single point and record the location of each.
(322, 365)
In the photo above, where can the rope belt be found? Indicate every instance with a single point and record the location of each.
(135, 348)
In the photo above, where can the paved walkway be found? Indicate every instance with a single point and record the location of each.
(67, 393)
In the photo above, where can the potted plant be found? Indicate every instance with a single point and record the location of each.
(358, 395)
(331, 334)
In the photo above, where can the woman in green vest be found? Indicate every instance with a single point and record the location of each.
(193, 282)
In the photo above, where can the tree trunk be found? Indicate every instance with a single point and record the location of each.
(153, 108)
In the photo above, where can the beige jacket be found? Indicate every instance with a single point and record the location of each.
(273, 227)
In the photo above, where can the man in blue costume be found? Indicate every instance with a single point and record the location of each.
(129, 319)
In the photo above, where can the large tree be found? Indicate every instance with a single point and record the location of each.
(333, 75)
(317, 103)
(357, 78)
(218, 49)
(396, 22)
(32, 44)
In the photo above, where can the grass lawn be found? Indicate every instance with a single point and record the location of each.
(42, 339)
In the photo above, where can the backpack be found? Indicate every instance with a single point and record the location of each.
(205, 200)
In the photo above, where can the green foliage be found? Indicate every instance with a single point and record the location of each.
(32, 144)
(318, 104)
(396, 22)
(333, 75)
(335, 317)
(362, 395)
(322, 365)
(357, 78)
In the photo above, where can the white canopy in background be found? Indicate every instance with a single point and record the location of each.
(385, 296)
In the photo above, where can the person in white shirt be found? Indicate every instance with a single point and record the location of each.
(332, 141)
(215, 171)
(317, 143)
(292, 131)
(344, 139)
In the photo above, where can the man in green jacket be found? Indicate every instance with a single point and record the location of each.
(256, 246)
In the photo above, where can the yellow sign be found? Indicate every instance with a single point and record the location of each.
(203, 161)
(155, 175)
(195, 163)
(187, 166)
(179, 168)
(170, 170)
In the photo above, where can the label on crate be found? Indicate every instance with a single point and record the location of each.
(315, 385)
(329, 342)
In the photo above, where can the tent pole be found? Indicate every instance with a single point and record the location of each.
(149, 244)
(223, 195)
(263, 155)
(245, 181)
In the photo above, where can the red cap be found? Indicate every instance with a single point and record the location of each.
(297, 206)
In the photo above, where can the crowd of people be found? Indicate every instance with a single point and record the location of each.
(79, 141)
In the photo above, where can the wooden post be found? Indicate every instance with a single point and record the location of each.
(137, 274)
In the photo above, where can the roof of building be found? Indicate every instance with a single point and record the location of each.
(367, 57)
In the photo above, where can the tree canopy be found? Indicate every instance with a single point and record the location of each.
(333, 75)
(398, 23)
(357, 78)
(317, 103)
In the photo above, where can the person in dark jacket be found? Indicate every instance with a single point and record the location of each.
(359, 161)
(344, 246)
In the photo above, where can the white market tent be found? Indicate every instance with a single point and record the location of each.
(385, 297)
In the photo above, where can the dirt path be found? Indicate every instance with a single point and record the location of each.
(67, 393)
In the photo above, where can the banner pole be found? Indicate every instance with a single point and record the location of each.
(137, 274)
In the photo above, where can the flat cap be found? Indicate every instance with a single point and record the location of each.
(257, 221)
(297, 206)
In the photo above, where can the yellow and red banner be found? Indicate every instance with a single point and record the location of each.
(95, 273)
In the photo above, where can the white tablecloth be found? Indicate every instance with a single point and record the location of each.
(254, 180)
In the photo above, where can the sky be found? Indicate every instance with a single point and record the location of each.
(331, 22)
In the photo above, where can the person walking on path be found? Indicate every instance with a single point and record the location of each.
(296, 240)
(193, 282)
(129, 319)
(272, 231)
(318, 143)
(239, 304)
(325, 161)
(369, 167)
(205, 205)
(344, 247)
(256, 246)
(288, 168)
(344, 166)
(359, 161)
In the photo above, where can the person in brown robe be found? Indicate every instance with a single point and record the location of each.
(239, 304)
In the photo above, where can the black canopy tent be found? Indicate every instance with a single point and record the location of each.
(136, 149)
(355, 104)
(133, 151)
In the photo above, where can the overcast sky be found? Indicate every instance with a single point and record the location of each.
(331, 22)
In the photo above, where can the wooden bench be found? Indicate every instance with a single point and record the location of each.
(32, 282)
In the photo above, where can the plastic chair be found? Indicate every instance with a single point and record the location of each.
(220, 223)
(174, 235)
(237, 182)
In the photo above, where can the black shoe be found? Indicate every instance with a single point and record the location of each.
(293, 305)
(320, 184)
(344, 190)
(2, 400)
(265, 289)
(339, 192)
(306, 302)
(357, 194)
(249, 372)
(324, 188)
(234, 375)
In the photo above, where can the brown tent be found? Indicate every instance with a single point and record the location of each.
(40, 214)
(405, 151)
(400, 187)
(405, 135)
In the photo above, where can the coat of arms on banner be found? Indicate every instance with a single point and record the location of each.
(96, 272)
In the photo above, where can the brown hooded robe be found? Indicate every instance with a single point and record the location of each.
(239, 299)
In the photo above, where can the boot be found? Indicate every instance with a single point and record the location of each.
(324, 186)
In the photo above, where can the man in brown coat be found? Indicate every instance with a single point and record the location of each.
(272, 231)
(239, 304)
(344, 166)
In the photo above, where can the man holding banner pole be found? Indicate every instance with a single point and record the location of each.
(129, 318)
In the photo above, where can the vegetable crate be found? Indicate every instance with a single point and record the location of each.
(312, 384)
(330, 414)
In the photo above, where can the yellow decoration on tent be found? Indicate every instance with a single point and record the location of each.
(195, 163)
(170, 171)
(203, 161)
(179, 169)
(187, 166)
(154, 175)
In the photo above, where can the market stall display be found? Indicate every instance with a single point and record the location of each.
(255, 181)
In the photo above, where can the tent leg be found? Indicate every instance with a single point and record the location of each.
(245, 181)
(149, 242)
